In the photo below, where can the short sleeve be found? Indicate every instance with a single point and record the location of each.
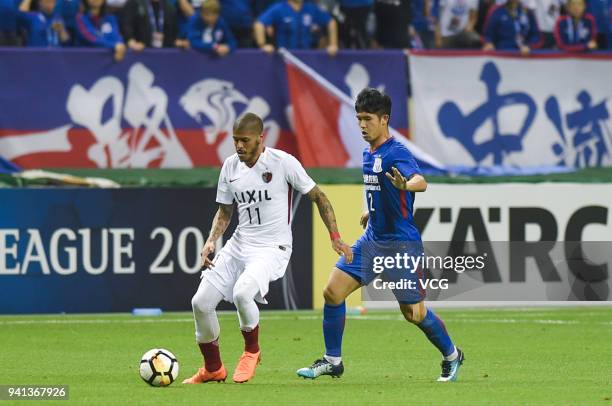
(320, 16)
(406, 164)
(224, 195)
(268, 17)
(296, 175)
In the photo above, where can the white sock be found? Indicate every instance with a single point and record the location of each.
(333, 360)
(452, 356)
(204, 304)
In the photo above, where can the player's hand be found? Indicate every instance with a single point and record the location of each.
(363, 221)
(209, 248)
(397, 179)
(341, 248)
(592, 44)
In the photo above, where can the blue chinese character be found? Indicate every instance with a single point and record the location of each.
(463, 127)
(589, 145)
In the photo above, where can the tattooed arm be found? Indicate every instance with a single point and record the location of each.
(219, 225)
(326, 211)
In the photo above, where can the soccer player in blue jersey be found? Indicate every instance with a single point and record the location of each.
(392, 177)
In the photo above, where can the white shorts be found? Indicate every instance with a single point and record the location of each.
(263, 264)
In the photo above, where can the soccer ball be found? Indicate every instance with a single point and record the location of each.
(159, 367)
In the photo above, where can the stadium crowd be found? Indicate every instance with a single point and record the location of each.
(220, 26)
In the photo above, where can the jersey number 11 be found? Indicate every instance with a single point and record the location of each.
(251, 217)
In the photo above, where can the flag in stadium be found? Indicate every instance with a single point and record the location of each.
(324, 115)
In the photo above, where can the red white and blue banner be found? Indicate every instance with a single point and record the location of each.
(506, 114)
(167, 108)
(325, 123)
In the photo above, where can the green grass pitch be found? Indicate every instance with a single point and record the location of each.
(513, 356)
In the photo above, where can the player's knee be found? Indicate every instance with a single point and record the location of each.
(411, 318)
(239, 298)
(331, 296)
(195, 303)
(200, 305)
(413, 313)
(242, 293)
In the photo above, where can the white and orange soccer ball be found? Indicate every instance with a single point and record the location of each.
(159, 367)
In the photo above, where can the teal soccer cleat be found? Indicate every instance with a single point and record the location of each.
(321, 367)
(450, 369)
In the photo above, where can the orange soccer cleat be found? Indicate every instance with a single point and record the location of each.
(246, 366)
(203, 376)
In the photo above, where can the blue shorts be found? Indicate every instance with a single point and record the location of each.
(365, 250)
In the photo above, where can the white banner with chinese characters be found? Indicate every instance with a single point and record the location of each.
(508, 113)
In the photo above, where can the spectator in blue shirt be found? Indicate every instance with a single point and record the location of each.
(601, 10)
(209, 33)
(238, 14)
(8, 22)
(577, 31)
(511, 26)
(69, 9)
(45, 27)
(353, 18)
(421, 20)
(295, 25)
(97, 28)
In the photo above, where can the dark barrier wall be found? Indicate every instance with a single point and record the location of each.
(82, 250)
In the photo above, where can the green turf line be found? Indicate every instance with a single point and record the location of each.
(207, 177)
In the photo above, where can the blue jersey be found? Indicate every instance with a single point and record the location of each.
(600, 10)
(295, 29)
(39, 27)
(237, 13)
(98, 31)
(507, 32)
(391, 223)
(205, 38)
(391, 217)
(9, 15)
(68, 9)
(572, 35)
(417, 9)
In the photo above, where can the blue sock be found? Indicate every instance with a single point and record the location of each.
(436, 332)
(333, 327)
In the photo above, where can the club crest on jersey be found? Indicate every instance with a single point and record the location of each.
(266, 176)
(377, 165)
